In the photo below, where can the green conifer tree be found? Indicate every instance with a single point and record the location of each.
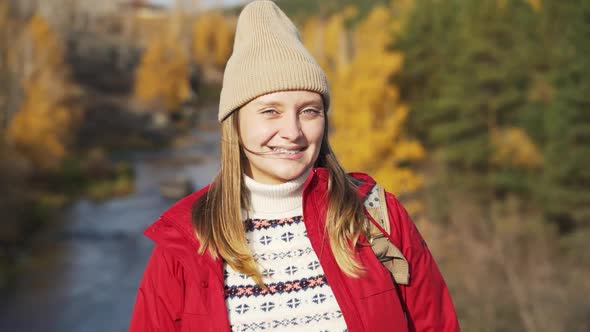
(565, 189)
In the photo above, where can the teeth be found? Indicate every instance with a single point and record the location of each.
(282, 150)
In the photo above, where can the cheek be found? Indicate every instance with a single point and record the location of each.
(315, 133)
(256, 136)
(253, 133)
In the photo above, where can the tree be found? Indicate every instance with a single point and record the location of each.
(499, 89)
(565, 189)
(46, 123)
(11, 91)
(330, 40)
(213, 36)
(469, 84)
(368, 122)
(162, 75)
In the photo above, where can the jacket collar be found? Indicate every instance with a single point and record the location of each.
(364, 182)
(177, 219)
(176, 223)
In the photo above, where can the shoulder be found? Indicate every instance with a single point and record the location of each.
(176, 244)
(164, 267)
(368, 191)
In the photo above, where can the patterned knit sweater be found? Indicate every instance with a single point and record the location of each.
(299, 296)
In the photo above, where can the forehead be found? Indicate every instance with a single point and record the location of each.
(287, 98)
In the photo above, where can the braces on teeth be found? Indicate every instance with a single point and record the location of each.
(281, 150)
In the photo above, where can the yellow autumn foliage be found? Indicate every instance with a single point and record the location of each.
(535, 4)
(313, 38)
(42, 130)
(162, 75)
(213, 36)
(312, 35)
(329, 41)
(44, 46)
(46, 123)
(368, 119)
(513, 147)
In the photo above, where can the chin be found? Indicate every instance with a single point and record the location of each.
(286, 174)
(279, 170)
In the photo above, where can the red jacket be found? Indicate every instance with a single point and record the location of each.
(184, 291)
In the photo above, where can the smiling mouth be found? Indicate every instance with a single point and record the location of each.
(279, 150)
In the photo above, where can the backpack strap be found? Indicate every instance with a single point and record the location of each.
(379, 236)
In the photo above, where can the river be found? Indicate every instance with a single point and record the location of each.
(86, 280)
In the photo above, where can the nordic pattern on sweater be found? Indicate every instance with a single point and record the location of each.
(298, 296)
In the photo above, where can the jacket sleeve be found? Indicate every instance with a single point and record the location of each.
(426, 298)
(159, 301)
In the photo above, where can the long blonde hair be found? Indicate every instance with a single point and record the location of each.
(217, 215)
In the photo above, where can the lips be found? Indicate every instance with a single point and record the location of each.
(285, 150)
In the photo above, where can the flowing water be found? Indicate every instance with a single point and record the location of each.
(87, 279)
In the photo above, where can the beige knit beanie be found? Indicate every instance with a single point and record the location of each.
(268, 56)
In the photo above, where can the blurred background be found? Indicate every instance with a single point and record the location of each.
(476, 114)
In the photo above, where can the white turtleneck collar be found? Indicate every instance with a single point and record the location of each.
(276, 200)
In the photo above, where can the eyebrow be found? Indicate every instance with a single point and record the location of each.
(260, 103)
(275, 103)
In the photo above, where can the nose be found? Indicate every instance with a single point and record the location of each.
(291, 128)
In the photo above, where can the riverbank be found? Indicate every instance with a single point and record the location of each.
(32, 201)
(91, 264)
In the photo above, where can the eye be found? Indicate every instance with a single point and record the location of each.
(312, 112)
(269, 111)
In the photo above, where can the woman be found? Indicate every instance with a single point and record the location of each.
(278, 240)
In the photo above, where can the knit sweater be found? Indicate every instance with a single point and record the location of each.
(299, 297)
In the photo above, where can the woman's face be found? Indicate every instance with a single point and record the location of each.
(281, 134)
